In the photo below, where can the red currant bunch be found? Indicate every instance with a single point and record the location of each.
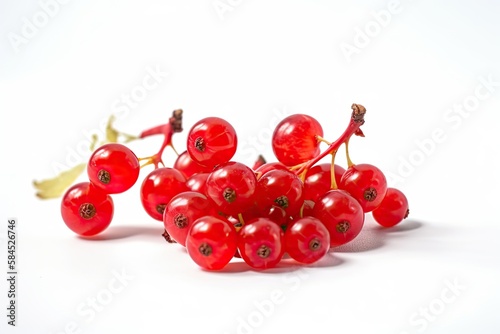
(222, 210)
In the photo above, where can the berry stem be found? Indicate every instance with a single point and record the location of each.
(159, 129)
(333, 184)
(167, 130)
(349, 161)
(241, 220)
(301, 212)
(357, 119)
(323, 140)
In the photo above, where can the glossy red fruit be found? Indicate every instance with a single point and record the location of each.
(232, 187)
(188, 166)
(318, 180)
(295, 139)
(250, 213)
(307, 240)
(305, 211)
(181, 212)
(366, 183)
(342, 215)
(307, 208)
(276, 214)
(86, 209)
(268, 167)
(198, 182)
(260, 243)
(159, 187)
(393, 209)
(212, 141)
(211, 242)
(113, 167)
(280, 188)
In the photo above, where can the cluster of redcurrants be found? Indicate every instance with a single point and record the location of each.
(220, 209)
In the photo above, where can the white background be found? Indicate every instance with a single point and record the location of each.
(252, 63)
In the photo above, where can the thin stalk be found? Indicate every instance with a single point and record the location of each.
(357, 119)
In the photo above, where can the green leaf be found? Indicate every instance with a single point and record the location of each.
(55, 187)
(112, 135)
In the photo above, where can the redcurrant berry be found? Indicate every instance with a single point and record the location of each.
(366, 183)
(307, 240)
(86, 209)
(263, 169)
(295, 139)
(318, 180)
(281, 188)
(260, 243)
(307, 208)
(182, 210)
(277, 214)
(113, 167)
(188, 166)
(211, 242)
(198, 182)
(393, 209)
(232, 187)
(212, 141)
(341, 214)
(159, 187)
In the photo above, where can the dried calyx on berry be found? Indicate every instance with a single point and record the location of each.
(168, 238)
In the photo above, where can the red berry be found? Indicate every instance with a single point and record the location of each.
(268, 167)
(307, 208)
(318, 180)
(305, 211)
(281, 188)
(276, 214)
(114, 168)
(182, 210)
(250, 213)
(366, 183)
(212, 141)
(295, 139)
(232, 187)
(198, 182)
(341, 214)
(159, 187)
(188, 166)
(86, 209)
(211, 242)
(393, 209)
(260, 243)
(307, 240)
